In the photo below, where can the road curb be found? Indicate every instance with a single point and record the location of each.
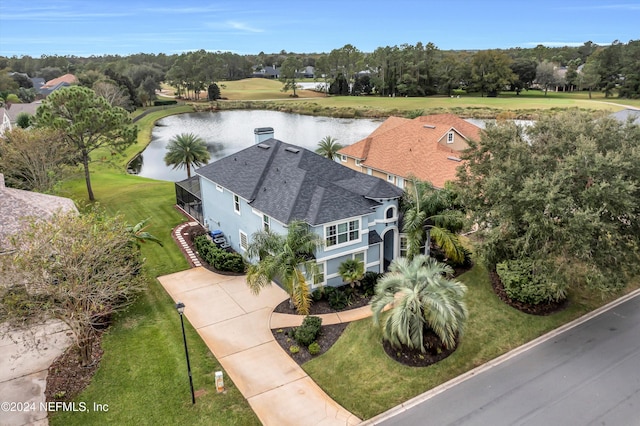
(494, 362)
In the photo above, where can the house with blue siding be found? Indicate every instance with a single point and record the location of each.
(272, 183)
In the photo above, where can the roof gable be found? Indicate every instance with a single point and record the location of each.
(288, 183)
(415, 147)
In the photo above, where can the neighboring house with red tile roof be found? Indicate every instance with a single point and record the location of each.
(426, 147)
(57, 83)
(17, 207)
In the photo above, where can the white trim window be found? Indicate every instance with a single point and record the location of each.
(266, 222)
(450, 137)
(219, 188)
(360, 257)
(343, 158)
(369, 171)
(404, 245)
(400, 182)
(342, 233)
(390, 178)
(244, 241)
(314, 274)
(358, 163)
(236, 203)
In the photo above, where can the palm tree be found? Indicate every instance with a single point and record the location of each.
(428, 214)
(140, 235)
(328, 147)
(423, 297)
(289, 259)
(351, 271)
(186, 150)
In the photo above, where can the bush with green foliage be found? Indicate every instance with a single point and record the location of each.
(294, 349)
(525, 282)
(23, 120)
(218, 258)
(336, 297)
(164, 103)
(369, 281)
(308, 332)
(12, 98)
(314, 348)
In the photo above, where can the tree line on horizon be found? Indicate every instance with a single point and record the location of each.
(405, 70)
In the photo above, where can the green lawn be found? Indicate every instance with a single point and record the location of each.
(358, 374)
(528, 104)
(143, 376)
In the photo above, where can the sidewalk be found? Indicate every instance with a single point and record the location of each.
(236, 326)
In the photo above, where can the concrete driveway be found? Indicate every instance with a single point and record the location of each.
(236, 326)
(25, 357)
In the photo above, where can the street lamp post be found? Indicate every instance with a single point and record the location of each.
(180, 309)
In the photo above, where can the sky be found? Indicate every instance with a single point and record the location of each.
(105, 27)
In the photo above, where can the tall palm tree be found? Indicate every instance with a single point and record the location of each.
(186, 150)
(428, 214)
(328, 147)
(423, 297)
(289, 259)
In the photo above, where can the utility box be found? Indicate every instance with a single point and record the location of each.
(219, 382)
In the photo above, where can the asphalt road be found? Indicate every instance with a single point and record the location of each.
(587, 375)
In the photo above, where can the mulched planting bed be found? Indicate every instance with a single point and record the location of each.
(67, 378)
(322, 306)
(329, 334)
(414, 357)
(540, 309)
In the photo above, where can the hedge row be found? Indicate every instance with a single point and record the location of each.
(220, 259)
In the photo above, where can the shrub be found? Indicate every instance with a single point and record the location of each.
(23, 120)
(318, 294)
(525, 282)
(369, 281)
(219, 259)
(314, 348)
(294, 349)
(337, 299)
(163, 103)
(308, 332)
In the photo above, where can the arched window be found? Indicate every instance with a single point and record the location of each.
(390, 213)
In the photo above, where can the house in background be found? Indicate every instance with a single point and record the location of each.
(57, 83)
(426, 147)
(272, 183)
(17, 207)
(9, 114)
(267, 72)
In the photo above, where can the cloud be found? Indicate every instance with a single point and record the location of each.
(241, 26)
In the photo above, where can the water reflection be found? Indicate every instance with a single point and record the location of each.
(227, 132)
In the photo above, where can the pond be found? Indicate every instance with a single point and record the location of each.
(227, 132)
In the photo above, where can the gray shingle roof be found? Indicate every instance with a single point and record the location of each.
(288, 183)
(17, 207)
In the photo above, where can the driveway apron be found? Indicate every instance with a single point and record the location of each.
(236, 326)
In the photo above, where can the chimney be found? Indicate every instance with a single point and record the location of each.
(262, 134)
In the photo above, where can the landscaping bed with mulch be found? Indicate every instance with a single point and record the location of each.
(414, 357)
(67, 378)
(329, 334)
(539, 309)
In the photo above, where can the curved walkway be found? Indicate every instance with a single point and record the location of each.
(236, 326)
